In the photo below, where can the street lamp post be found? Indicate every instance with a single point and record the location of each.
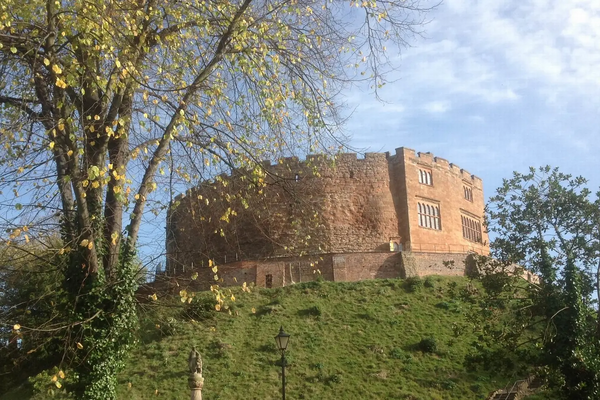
(282, 340)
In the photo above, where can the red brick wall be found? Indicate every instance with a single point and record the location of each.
(346, 267)
(446, 190)
(350, 206)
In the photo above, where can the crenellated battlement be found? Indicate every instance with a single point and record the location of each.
(352, 165)
(428, 159)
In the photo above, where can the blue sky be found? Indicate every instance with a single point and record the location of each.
(494, 87)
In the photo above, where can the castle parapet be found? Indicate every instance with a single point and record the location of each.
(346, 157)
(442, 162)
(425, 157)
(376, 156)
(405, 152)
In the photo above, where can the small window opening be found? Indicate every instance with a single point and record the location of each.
(269, 281)
(468, 193)
(425, 177)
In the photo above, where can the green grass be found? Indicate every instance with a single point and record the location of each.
(349, 341)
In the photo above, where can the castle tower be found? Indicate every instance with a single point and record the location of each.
(353, 208)
(440, 206)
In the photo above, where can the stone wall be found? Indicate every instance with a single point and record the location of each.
(346, 267)
(346, 206)
(447, 191)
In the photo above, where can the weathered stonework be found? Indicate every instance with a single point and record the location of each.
(347, 220)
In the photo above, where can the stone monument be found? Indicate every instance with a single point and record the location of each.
(195, 380)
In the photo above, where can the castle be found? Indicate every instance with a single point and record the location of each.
(381, 216)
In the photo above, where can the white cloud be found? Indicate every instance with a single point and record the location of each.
(519, 79)
(437, 107)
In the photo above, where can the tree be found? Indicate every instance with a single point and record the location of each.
(103, 104)
(30, 282)
(547, 223)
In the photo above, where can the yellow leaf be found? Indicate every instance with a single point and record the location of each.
(90, 245)
(84, 243)
(17, 327)
(46, 62)
(79, 346)
(218, 307)
(70, 153)
(58, 384)
(60, 83)
(153, 296)
(232, 298)
(215, 269)
(61, 374)
(54, 378)
(195, 276)
(51, 145)
(57, 70)
(253, 310)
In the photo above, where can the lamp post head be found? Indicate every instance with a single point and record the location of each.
(282, 339)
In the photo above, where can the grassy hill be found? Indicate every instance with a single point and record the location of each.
(361, 340)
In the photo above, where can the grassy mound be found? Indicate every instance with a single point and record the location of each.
(380, 339)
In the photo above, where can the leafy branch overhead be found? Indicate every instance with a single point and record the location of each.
(110, 107)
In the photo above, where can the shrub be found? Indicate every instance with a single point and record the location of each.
(201, 308)
(428, 345)
(413, 283)
(429, 282)
(52, 383)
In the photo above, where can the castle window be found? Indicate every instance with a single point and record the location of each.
(425, 177)
(297, 178)
(429, 216)
(471, 229)
(269, 281)
(468, 193)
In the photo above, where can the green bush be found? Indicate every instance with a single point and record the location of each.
(201, 308)
(413, 283)
(429, 282)
(52, 384)
(428, 345)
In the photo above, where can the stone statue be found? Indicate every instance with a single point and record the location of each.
(195, 362)
(195, 380)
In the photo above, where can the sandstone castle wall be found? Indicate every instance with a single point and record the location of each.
(351, 219)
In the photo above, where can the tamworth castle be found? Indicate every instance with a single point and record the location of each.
(381, 216)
